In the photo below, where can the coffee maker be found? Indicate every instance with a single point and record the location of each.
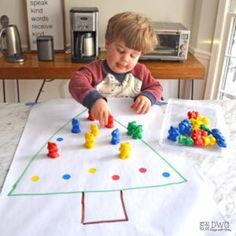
(84, 34)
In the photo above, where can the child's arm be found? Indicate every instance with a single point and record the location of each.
(151, 90)
(82, 84)
(82, 89)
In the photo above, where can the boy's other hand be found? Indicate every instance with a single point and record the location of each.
(141, 104)
(100, 111)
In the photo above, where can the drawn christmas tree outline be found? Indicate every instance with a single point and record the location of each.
(83, 192)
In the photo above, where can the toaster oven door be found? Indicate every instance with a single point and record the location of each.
(168, 44)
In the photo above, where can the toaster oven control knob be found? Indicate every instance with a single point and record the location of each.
(182, 47)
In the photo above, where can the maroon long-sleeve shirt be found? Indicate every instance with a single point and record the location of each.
(96, 80)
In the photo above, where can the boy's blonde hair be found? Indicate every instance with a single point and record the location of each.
(133, 29)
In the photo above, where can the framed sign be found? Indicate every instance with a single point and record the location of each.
(46, 17)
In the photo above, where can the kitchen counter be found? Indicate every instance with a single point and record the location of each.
(219, 172)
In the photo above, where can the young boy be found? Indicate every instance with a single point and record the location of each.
(128, 35)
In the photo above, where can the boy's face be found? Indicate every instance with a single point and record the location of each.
(121, 59)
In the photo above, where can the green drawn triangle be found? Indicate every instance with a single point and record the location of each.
(152, 149)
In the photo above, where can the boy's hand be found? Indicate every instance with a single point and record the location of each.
(100, 111)
(141, 105)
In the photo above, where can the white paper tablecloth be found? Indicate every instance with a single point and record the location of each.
(181, 205)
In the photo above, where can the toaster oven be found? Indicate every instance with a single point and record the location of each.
(173, 42)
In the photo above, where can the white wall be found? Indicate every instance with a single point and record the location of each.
(197, 15)
(204, 21)
(203, 29)
(154, 9)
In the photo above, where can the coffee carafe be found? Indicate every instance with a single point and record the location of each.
(10, 44)
(85, 42)
(84, 34)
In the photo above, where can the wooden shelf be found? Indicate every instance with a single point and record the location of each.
(62, 67)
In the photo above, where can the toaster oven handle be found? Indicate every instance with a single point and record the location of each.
(1, 42)
(168, 33)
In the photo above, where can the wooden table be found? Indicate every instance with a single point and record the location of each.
(62, 67)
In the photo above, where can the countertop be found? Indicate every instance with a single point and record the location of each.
(220, 172)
